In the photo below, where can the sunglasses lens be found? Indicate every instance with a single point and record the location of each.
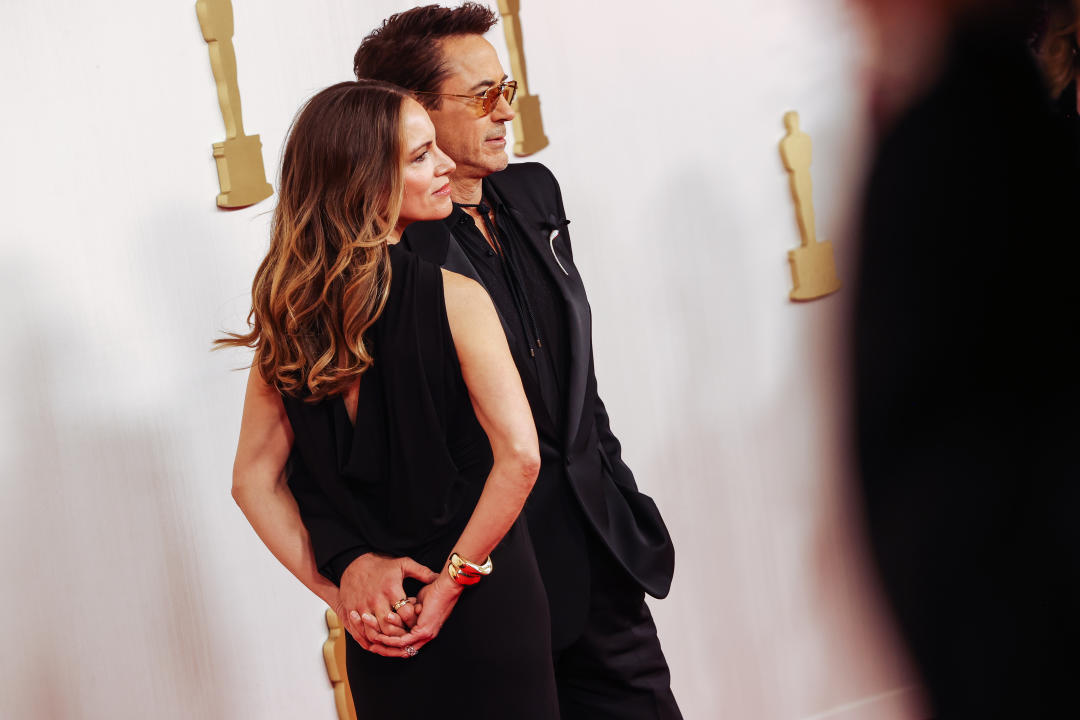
(491, 99)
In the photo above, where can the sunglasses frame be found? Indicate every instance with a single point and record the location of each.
(491, 95)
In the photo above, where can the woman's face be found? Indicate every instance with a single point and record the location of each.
(427, 187)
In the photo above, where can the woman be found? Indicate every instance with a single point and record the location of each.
(376, 377)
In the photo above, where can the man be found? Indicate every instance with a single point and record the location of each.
(600, 544)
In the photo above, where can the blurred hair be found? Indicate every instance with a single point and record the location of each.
(1020, 13)
(326, 276)
(1057, 49)
(406, 48)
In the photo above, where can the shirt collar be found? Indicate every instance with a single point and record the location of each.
(456, 217)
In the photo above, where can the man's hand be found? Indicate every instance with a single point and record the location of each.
(371, 586)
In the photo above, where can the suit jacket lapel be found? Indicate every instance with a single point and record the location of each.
(578, 313)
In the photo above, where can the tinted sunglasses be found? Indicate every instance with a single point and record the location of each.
(487, 99)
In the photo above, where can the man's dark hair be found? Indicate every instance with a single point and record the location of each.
(405, 50)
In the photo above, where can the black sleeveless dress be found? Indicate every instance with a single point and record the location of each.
(407, 476)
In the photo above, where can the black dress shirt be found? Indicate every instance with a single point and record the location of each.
(540, 311)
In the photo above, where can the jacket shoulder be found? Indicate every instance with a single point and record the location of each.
(529, 187)
(533, 175)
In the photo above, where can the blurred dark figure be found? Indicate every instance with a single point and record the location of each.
(966, 359)
(1057, 43)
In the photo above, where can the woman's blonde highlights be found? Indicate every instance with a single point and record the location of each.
(326, 276)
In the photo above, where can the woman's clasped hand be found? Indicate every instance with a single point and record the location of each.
(370, 588)
(415, 623)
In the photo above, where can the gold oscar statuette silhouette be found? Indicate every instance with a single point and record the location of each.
(528, 125)
(239, 158)
(334, 655)
(813, 269)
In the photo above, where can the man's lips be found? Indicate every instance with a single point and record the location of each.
(501, 140)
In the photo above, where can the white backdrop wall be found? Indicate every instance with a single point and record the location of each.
(134, 588)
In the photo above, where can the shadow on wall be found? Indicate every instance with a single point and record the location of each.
(109, 619)
(699, 281)
(788, 588)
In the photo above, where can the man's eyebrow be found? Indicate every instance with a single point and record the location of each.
(485, 84)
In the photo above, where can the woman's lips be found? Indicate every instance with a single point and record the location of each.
(443, 191)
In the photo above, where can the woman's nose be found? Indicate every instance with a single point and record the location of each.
(445, 165)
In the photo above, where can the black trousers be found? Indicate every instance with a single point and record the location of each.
(615, 669)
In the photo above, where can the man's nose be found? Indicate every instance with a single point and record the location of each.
(502, 112)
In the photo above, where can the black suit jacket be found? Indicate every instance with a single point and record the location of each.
(583, 478)
(580, 451)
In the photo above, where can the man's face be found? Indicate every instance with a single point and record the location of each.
(476, 144)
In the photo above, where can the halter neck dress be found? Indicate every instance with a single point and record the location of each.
(406, 476)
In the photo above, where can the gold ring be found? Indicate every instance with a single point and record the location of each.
(399, 603)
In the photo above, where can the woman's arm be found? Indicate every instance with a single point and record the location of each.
(503, 411)
(260, 489)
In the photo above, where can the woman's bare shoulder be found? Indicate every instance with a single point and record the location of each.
(462, 291)
(469, 309)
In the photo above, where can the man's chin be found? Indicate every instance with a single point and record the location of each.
(499, 162)
(488, 163)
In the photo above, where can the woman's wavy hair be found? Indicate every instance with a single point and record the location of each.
(326, 276)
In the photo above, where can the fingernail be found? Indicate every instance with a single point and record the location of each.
(390, 616)
(355, 616)
(368, 616)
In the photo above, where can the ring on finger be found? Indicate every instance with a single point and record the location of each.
(411, 651)
(399, 603)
